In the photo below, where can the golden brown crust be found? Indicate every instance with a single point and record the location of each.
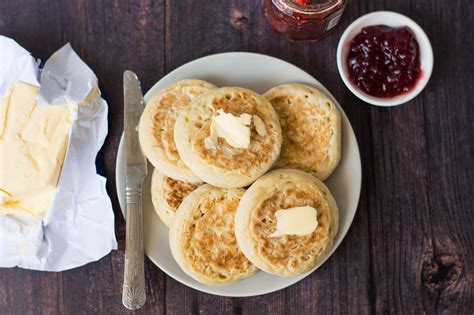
(156, 130)
(202, 236)
(163, 122)
(175, 191)
(255, 220)
(310, 125)
(167, 194)
(225, 165)
(290, 251)
(228, 157)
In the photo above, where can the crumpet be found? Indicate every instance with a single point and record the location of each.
(202, 238)
(167, 194)
(235, 161)
(311, 127)
(256, 222)
(156, 129)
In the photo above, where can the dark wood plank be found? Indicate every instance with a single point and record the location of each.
(389, 261)
(422, 252)
(110, 36)
(92, 289)
(410, 249)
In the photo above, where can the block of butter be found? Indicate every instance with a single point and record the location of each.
(33, 142)
(55, 213)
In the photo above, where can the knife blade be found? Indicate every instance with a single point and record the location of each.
(133, 293)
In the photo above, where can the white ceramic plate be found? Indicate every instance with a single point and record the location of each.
(259, 73)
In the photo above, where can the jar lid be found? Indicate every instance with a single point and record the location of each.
(290, 7)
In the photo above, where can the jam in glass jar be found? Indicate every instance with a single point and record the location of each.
(304, 19)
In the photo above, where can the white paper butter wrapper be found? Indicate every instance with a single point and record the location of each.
(79, 226)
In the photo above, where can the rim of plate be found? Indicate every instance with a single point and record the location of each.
(119, 182)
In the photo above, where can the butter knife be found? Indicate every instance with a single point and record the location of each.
(133, 294)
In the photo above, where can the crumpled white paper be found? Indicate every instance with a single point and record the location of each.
(79, 226)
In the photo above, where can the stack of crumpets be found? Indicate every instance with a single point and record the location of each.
(238, 177)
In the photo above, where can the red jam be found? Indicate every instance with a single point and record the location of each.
(384, 61)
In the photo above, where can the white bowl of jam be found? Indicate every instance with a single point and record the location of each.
(385, 58)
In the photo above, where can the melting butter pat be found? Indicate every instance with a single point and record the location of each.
(259, 126)
(233, 129)
(33, 142)
(295, 221)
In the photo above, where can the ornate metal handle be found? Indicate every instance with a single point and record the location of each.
(133, 294)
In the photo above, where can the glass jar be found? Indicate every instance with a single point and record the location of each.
(304, 19)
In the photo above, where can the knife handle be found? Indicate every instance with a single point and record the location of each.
(133, 294)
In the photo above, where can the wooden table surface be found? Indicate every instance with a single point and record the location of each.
(410, 248)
